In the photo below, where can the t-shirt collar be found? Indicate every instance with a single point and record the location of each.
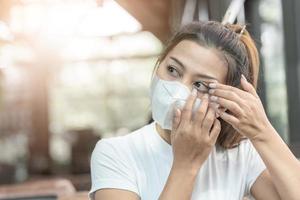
(159, 144)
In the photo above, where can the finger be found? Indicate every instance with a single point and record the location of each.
(186, 113)
(221, 86)
(176, 119)
(227, 94)
(214, 106)
(215, 131)
(248, 86)
(208, 120)
(228, 104)
(200, 113)
(229, 118)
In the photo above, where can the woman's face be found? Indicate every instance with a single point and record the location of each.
(193, 66)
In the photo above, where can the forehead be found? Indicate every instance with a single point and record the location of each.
(199, 60)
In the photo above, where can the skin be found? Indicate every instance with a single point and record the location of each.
(248, 118)
(281, 180)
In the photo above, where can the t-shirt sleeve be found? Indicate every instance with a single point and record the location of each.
(255, 167)
(110, 169)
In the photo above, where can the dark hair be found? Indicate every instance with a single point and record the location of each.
(237, 49)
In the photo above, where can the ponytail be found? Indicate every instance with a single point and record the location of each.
(252, 53)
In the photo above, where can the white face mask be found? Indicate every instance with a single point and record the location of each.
(165, 96)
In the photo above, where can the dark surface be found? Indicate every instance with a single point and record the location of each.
(50, 197)
(291, 18)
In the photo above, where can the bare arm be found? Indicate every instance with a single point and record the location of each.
(186, 135)
(264, 188)
(283, 167)
(282, 178)
(179, 185)
(115, 194)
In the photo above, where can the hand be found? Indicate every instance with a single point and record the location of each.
(246, 113)
(193, 137)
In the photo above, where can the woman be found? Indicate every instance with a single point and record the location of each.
(210, 138)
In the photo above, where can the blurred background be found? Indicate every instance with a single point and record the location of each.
(75, 71)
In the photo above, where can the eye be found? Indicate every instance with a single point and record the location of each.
(201, 86)
(173, 71)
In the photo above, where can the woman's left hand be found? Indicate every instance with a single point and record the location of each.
(246, 113)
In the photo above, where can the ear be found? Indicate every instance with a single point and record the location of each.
(248, 87)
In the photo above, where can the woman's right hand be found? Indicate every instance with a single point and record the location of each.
(193, 138)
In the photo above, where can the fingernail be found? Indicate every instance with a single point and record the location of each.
(212, 85)
(213, 98)
(211, 91)
(205, 96)
(194, 92)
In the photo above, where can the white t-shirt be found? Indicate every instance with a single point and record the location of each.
(141, 161)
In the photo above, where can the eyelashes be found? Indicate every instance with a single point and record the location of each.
(199, 85)
(173, 71)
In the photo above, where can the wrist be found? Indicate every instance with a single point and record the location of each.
(265, 135)
(186, 169)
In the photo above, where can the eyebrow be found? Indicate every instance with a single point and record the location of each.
(198, 75)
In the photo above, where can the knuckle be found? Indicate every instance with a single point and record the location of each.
(181, 130)
(210, 143)
(210, 118)
(235, 105)
(190, 99)
(205, 126)
(243, 102)
(239, 125)
(206, 142)
(231, 88)
(252, 106)
(201, 112)
(243, 115)
(189, 135)
(235, 95)
(246, 107)
(228, 93)
(186, 110)
(218, 126)
(212, 114)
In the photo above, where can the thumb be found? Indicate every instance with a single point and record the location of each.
(215, 130)
(247, 86)
(175, 123)
(176, 119)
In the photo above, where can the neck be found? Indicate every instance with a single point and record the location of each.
(164, 133)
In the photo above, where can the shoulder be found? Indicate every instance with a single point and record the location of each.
(121, 145)
(113, 164)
